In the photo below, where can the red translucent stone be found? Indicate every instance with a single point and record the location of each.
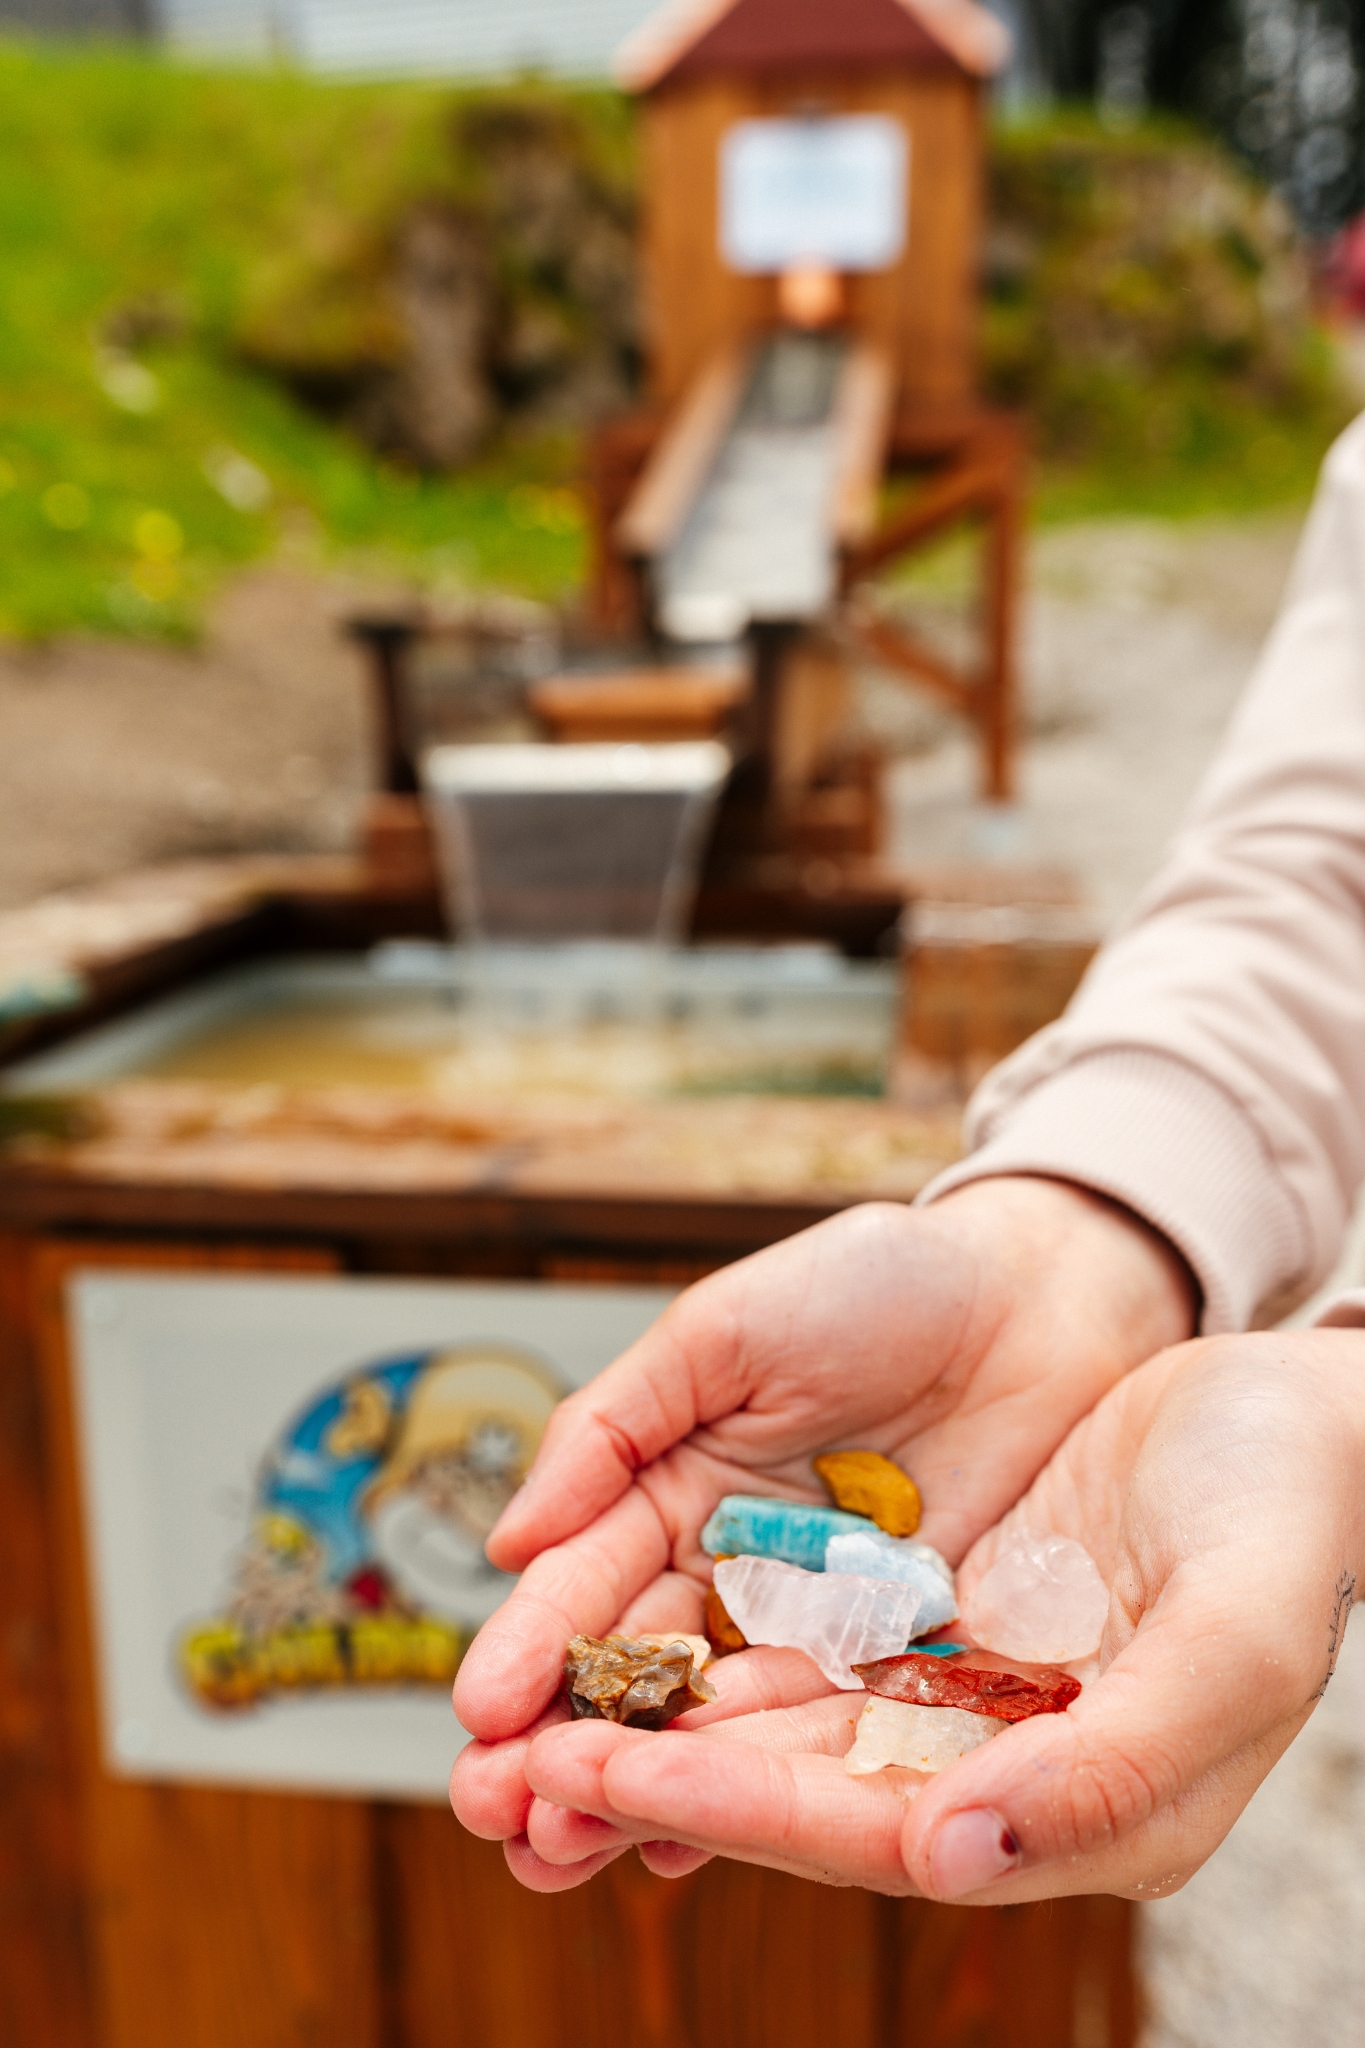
(942, 1682)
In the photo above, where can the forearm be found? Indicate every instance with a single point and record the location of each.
(1210, 1074)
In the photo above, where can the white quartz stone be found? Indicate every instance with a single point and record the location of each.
(917, 1738)
(837, 1618)
(1041, 1602)
(874, 1555)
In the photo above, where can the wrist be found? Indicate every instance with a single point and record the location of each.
(1077, 1261)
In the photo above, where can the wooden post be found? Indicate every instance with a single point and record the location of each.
(388, 642)
(1001, 574)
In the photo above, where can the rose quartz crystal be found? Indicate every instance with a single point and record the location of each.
(837, 1618)
(1041, 1602)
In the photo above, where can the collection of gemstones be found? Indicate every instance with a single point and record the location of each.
(851, 1586)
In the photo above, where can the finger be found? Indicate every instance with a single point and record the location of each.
(1159, 1856)
(750, 1681)
(561, 1834)
(673, 1601)
(515, 1665)
(1197, 1683)
(823, 1727)
(598, 1439)
(529, 1869)
(792, 1812)
(769, 1347)
(488, 1788)
(566, 1834)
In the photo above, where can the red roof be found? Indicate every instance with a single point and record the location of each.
(691, 38)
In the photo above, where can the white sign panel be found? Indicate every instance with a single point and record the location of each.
(287, 1483)
(828, 190)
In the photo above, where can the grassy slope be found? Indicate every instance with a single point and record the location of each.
(125, 178)
(121, 179)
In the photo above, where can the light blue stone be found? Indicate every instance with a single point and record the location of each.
(872, 1554)
(753, 1525)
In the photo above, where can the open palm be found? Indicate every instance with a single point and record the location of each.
(963, 1342)
(1220, 1491)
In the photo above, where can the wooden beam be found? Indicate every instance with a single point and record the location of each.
(863, 406)
(683, 457)
(971, 488)
(899, 651)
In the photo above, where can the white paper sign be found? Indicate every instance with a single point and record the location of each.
(286, 1482)
(829, 190)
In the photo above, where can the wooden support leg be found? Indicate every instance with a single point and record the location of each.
(1002, 535)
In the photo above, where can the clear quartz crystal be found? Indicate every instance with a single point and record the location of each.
(917, 1738)
(837, 1618)
(1041, 1602)
(874, 1555)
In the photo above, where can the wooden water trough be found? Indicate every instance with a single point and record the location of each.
(147, 1902)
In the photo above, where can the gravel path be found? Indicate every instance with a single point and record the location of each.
(113, 754)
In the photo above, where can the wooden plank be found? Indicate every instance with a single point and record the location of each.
(222, 1919)
(864, 404)
(1053, 1975)
(923, 309)
(962, 489)
(474, 1957)
(692, 303)
(899, 651)
(685, 454)
(45, 1976)
(784, 1960)
(737, 1171)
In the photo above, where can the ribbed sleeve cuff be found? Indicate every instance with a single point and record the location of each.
(1150, 1132)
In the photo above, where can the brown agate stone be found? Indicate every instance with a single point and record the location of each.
(922, 1681)
(636, 1684)
(866, 1483)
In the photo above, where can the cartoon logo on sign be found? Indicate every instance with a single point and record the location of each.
(365, 1563)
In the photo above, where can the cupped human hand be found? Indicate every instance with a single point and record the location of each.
(963, 1340)
(1221, 1491)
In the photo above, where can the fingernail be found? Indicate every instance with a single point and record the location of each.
(971, 1850)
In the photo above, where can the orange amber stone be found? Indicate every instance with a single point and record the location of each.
(721, 1632)
(866, 1483)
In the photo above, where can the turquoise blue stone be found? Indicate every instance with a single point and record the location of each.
(937, 1649)
(752, 1525)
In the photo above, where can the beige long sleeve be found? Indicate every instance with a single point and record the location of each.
(1210, 1071)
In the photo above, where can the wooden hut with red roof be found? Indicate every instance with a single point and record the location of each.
(703, 67)
(817, 165)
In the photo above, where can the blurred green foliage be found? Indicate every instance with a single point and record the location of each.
(1151, 305)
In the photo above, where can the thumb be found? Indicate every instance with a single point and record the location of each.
(1141, 1778)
